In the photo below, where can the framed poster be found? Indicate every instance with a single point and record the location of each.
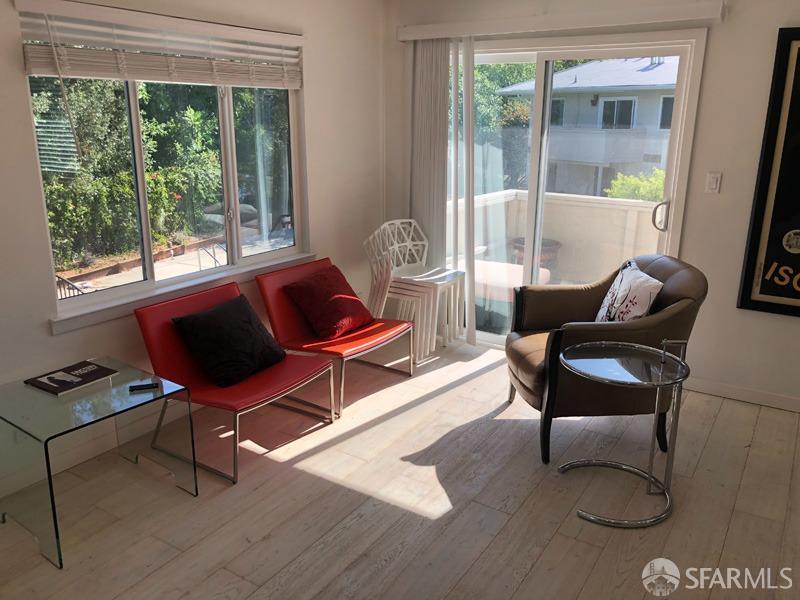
(771, 274)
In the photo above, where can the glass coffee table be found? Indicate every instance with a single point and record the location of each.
(633, 365)
(31, 419)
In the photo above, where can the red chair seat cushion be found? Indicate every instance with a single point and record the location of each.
(269, 384)
(376, 333)
(328, 303)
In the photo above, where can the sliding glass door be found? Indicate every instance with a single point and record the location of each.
(569, 158)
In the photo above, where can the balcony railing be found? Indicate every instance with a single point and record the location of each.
(595, 234)
(590, 145)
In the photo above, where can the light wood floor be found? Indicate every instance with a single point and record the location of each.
(429, 487)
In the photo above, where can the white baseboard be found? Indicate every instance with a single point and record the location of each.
(735, 392)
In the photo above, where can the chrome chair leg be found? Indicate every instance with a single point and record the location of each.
(332, 394)
(411, 352)
(342, 363)
(235, 477)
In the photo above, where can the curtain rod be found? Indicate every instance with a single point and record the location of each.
(697, 13)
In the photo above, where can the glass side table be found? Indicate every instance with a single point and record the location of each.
(633, 365)
(30, 419)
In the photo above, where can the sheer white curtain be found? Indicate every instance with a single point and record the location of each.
(429, 143)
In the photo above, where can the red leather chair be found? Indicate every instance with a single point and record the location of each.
(171, 360)
(292, 331)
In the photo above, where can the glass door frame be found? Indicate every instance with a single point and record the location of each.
(689, 45)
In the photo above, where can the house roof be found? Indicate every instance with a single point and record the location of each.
(618, 74)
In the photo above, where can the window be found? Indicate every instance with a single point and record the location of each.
(557, 112)
(665, 118)
(264, 169)
(89, 184)
(183, 175)
(95, 211)
(166, 154)
(617, 113)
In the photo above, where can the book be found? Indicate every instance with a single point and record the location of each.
(70, 378)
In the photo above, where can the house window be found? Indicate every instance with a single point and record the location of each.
(617, 113)
(106, 233)
(665, 117)
(89, 183)
(557, 112)
(264, 170)
(166, 154)
(183, 176)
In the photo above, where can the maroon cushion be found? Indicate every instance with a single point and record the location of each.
(328, 303)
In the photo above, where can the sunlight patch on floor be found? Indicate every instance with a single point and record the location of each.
(343, 452)
(424, 496)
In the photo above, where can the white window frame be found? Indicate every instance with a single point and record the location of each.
(103, 305)
(689, 44)
(601, 103)
(563, 110)
(661, 110)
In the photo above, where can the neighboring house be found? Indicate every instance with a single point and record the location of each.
(607, 117)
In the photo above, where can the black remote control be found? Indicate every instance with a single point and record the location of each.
(143, 387)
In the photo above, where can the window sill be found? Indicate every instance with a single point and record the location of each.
(86, 316)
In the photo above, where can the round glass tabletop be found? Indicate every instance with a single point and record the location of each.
(625, 364)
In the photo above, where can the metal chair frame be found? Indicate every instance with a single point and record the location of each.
(234, 476)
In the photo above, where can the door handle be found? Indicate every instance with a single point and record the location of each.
(654, 216)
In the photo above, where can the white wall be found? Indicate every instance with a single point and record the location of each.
(739, 353)
(343, 113)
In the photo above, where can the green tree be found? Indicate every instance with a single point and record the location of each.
(638, 187)
(503, 120)
(180, 136)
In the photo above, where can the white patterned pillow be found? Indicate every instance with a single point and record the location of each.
(630, 296)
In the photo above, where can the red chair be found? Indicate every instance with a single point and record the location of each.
(293, 333)
(171, 360)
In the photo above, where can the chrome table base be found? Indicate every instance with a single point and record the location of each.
(654, 485)
(657, 486)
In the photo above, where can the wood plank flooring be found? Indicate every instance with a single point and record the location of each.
(428, 488)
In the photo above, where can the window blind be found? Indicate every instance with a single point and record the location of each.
(71, 39)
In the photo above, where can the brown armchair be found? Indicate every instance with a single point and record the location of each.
(549, 318)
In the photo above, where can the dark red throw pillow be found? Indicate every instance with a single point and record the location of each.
(328, 303)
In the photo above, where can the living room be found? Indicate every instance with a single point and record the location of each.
(433, 212)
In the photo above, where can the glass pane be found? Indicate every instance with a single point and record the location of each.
(44, 415)
(602, 183)
(667, 104)
(609, 110)
(264, 169)
(86, 161)
(624, 118)
(626, 364)
(503, 94)
(180, 135)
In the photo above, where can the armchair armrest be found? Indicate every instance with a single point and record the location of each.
(673, 322)
(542, 307)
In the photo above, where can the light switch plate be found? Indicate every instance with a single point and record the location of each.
(713, 182)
